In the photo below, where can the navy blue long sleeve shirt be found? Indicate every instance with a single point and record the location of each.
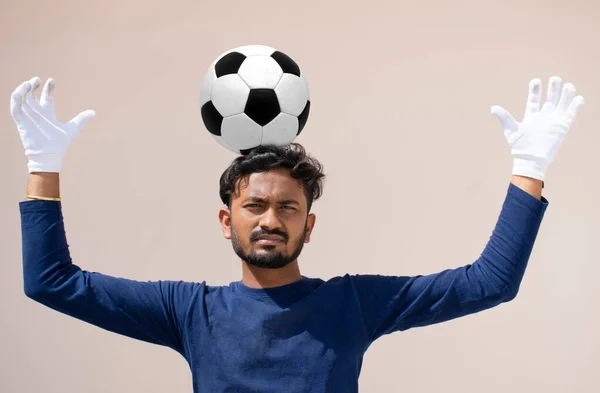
(307, 336)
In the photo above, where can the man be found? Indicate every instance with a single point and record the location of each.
(276, 330)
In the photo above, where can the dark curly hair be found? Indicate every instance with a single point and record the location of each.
(292, 156)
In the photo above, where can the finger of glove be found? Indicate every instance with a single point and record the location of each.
(534, 97)
(33, 110)
(77, 123)
(509, 124)
(34, 124)
(47, 96)
(16, 102)
(23, 114)
(568, 93)
(553, 95)
(30, 97)
(576, 103)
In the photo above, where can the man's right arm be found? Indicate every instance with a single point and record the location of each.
(149, 311)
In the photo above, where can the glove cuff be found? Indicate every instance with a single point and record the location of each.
(44, 163)
(529, 168)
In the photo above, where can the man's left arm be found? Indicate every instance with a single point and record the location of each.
(391, 303)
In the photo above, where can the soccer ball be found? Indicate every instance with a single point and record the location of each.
(254, 95)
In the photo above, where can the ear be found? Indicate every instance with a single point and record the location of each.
(225, 220)
(310, 224)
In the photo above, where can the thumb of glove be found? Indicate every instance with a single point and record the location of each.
(80, 120)
(509, 124)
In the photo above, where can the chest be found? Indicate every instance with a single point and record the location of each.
(307, 343)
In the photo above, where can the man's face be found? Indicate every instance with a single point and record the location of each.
(268, 223)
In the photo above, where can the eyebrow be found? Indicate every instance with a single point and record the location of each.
(283, 202)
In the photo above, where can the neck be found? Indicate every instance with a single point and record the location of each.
(256, 277)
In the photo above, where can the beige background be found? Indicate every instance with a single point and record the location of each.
(417, 167)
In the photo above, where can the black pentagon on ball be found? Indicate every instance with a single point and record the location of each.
(286, 63)
(303, 117)
(229, 64)
(212, 118)
(262, 106)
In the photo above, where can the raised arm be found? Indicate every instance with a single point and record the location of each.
(150, 311)
(391, 303)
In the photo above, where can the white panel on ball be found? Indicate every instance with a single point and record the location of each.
(260, 72)
(305, 85)
(241, 132)
(291, 94)
(207, 84)
(281, 130)
(221, 142)
(254, 50)
(229, 95)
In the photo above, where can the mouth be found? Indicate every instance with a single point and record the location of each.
(270, 240)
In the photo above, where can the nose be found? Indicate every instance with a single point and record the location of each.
(270, 220)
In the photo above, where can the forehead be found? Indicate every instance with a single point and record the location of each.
(275, 184)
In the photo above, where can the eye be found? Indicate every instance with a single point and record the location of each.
(289, 207)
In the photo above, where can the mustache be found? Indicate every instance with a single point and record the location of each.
(256, 235)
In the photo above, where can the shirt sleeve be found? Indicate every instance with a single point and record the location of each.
(397, 303)
(151, 311)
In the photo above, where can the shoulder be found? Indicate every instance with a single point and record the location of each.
(365, 282)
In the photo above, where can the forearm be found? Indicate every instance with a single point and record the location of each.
(505, 257)
(44, 184)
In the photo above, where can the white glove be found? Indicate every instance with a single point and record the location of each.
(44, 138)
(535, 141)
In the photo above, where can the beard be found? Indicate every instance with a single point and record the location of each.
(271, 259)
